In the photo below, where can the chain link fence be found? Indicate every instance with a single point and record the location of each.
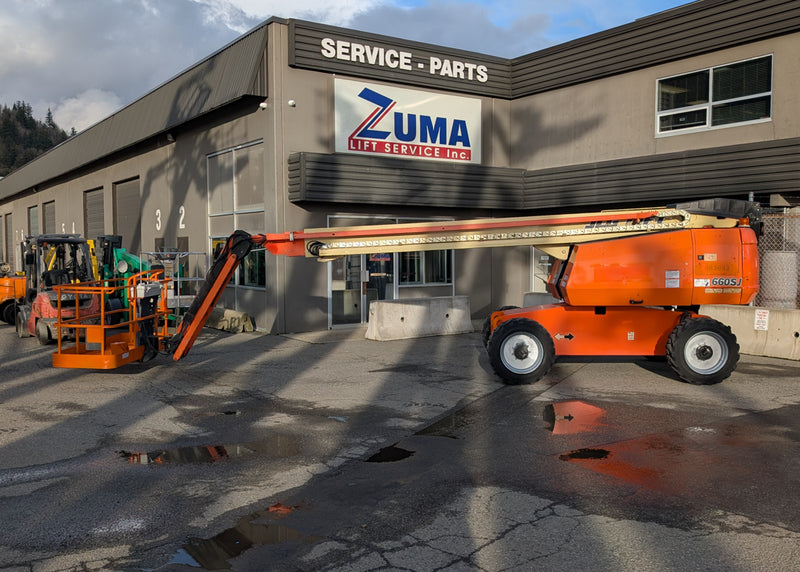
(779, 257)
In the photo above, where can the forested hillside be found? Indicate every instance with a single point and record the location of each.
(23, 138)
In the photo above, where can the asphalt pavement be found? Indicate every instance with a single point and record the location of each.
(326, 451)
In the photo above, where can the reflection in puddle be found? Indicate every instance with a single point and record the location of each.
(390, 454)
(215, 553)
(569, 417)
(280, 446)
(181, 456)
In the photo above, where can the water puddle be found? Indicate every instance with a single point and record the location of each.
(569, 417)
(585, 454)
(217, 552)
(279, 446)
(390, 454)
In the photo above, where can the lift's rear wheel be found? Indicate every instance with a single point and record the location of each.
(21, 322)
(9, 311)
(521, 351)
(702, 351)
(486, 331)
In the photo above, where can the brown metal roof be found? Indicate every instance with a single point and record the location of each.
(229, 74)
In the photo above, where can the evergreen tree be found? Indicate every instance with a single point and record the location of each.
(23, 137)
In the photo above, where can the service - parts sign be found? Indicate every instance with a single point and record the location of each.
(384, 120)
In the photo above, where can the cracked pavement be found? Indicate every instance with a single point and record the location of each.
(327, 451)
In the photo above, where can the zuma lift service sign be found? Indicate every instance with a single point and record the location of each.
(390, 121)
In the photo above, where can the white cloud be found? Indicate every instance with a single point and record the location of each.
(326, 11)
(85, 109)
(84, 58)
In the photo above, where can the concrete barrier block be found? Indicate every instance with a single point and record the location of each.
(771, 332)
(537, 299)
(418, 317)
(230, 321)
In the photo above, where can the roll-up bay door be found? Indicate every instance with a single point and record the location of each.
(49, 217)
(93, 218)
(9, 254)
(128, 215)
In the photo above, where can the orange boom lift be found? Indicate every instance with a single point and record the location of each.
(628, 282)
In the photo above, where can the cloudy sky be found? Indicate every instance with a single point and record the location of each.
(84, 59)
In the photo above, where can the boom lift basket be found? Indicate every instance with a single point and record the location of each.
(130, 326)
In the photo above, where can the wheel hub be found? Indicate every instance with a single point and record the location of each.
(521, 351)
(704, 353)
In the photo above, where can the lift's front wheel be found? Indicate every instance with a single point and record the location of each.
(702, 351)
(521, 351)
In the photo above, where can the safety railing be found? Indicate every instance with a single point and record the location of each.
(130, 325)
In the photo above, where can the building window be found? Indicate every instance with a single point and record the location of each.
(236, 202)
(426, 268)
(730, 94)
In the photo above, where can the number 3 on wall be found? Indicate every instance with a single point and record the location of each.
(181, 219)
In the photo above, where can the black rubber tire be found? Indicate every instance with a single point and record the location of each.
(9, 312)
(486, 332)
(21, 323)
(702, 351)
(521, 351)
(43, 333)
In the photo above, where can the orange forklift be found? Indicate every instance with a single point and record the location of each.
(12, 291)
(627, 282)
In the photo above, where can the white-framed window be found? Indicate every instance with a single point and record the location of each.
(417, 268)
(731, 94)
(426, 268)
(236, 202)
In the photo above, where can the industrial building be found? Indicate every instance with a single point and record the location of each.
(298, 125)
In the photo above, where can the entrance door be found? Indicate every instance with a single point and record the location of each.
(347, 277)
(356, 281)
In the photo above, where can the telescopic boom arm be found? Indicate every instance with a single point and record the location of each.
(552, 234)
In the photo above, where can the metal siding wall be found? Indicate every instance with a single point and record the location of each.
(342, 178)
(736, 170)
(305, 52)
